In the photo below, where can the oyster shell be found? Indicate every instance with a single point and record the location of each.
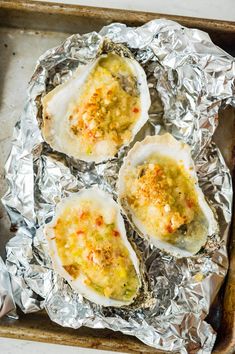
(89, 248)
(158, 190)
(98, 110)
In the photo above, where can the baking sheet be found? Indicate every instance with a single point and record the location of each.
(19, 51)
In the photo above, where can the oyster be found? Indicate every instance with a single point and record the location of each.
(98, 110)
(89, 248)
(158, 190)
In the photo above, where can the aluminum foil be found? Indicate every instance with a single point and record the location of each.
(189, 79)
(7, 305)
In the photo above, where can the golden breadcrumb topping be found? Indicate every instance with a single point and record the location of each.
(109, 104)
(162, 195)
(89, 244)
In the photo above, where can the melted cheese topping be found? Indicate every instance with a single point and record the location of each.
(108, 106)
(89, 243)
(162, 196)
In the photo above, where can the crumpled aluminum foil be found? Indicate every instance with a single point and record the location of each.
(189, 78)
(7, 305)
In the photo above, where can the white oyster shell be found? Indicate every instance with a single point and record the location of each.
(56, 126)
(164, 145)
(106, 206)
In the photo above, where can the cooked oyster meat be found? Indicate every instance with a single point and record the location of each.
(158, 189)
(98, 110)
(89, 248)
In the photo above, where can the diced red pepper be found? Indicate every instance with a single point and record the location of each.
(83, 215)
(90, 256)
(190, 203)
(99, 221)
(135, 110)
(116, 233)
(169, 229)
(80, 232)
